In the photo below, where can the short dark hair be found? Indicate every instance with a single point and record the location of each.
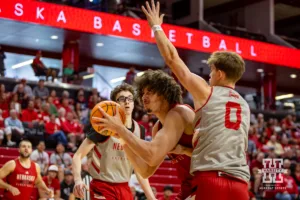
(231, 63)
(24, 140)
(120, 88)
(160, 83)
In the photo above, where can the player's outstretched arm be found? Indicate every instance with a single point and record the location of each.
(4, 172)
(146, 187)
(193, 83)
(40, 183)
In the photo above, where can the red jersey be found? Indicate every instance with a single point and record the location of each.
(44, 116)
(23, 179)
(183, 163)
(51, 128)
(53, 185)
(29, 115)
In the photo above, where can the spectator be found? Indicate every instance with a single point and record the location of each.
(56, 101)
(54, 132)
(41, 157)
(145, 122)
(38, 105)
(4, 97)
(296, 175)
(44, 116)
(14, 104)
(60, 158)
(53, 109)
(2, 57)
(52, 183)
(13, 128)
(273, 144)
(40, 69)
(168, 191)
(94, 98)
(61, 117)
(66, 106)
(29, 116)
(27, 88)
(41, 91)
(67, 185)
(73, 130)
(130, 76)
(23, 98)
(288, 189)
(68, 73)
(254, 167)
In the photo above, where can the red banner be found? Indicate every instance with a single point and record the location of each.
(115, 25)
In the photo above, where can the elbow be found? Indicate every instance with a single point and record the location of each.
(171, 58)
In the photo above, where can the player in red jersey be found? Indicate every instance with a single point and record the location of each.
(222, 120)
(21, 175)
(161, 95)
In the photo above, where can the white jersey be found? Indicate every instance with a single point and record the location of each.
(109, 161)
(222, 141)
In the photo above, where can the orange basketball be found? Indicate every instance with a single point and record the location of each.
(110, 108)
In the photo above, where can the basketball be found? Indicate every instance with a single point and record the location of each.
(110, 108)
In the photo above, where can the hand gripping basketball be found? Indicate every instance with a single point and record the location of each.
(106, 117)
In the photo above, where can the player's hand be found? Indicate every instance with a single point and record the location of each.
(50, 193)
(110, 123)
(14, 191)
(152, 13)
(179, 149)
(79, 189)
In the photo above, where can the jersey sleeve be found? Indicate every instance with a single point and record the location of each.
(94, 136)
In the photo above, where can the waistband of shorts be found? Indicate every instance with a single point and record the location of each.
(109, 183)
(216, 174)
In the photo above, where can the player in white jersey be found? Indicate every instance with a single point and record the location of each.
(110, 167)
(218, 160)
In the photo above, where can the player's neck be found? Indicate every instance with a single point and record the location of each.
(161, 115)
(25, 161)
(227, 84)
(128, 121)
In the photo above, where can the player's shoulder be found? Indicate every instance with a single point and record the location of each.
(182, 109)
(10, 165)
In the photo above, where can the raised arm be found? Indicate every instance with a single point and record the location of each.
(193, 83)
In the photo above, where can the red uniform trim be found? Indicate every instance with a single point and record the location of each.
(95, 167)
(211, 91)
(97, 152)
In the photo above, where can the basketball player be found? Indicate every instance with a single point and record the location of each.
(110, 168)
(222, 120)
(21, 175)
(161, 96)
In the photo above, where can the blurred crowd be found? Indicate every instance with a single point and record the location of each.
(275, 139)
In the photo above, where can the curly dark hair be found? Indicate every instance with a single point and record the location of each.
(160, 83)
(120, 88)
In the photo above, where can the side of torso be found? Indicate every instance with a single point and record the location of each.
(181, 161)
(109, 161)
(23, 179)
(222, 126)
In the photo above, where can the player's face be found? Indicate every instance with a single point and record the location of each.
(126, 101)
(151, 101)
(25, 149)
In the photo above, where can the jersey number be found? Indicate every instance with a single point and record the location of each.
(228, 123)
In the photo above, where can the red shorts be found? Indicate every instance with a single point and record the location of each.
(109, 191)
(219, 185)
